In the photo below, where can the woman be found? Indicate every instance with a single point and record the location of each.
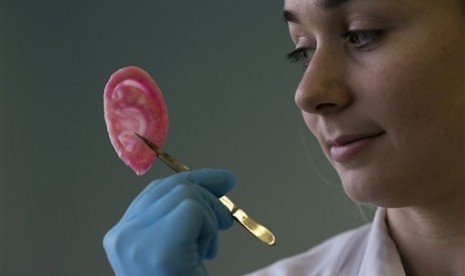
(383, 91)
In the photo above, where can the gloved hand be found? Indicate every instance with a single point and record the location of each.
(172, 226)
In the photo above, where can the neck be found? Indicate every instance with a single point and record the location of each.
(431, 241)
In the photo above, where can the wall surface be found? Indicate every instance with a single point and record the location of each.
(229, 90)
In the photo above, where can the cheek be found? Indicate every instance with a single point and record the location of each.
(311, 122)
(421, 106)
(423, 91)
(315, 125)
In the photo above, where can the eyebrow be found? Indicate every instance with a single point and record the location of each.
(290, 16)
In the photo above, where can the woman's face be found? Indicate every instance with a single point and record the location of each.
(383, 91)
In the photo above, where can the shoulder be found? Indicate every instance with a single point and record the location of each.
(332, 257)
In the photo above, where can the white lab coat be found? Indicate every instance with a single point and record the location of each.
(365, 251)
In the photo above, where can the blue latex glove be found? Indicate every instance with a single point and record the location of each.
(172, 226)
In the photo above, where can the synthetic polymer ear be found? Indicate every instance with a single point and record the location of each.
(133, 103)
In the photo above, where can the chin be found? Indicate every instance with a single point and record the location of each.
(373, 189)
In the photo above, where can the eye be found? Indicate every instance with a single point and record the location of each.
(364, 38)
(301, 55)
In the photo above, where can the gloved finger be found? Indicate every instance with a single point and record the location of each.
(174, 245)
(151, 223)
(196, 230)
(217, 181)
(222, 214)
(152, 193)
(165, 205)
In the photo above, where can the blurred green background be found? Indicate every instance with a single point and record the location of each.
(229, 91)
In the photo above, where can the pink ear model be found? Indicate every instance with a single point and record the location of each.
(133, 103)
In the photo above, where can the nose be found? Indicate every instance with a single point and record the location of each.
(323, 88)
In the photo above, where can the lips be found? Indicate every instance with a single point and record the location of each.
(347, 139)
(345, 148)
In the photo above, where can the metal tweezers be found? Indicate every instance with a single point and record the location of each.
(239, 215)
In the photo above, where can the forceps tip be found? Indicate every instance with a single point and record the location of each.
(148, 143)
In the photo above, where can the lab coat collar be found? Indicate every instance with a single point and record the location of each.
(381, 256)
